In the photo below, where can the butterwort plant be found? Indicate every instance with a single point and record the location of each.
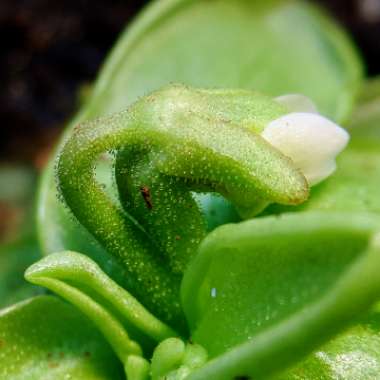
(201, 219)
(166, 146)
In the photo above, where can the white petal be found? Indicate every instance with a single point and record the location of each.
(310, 140)
(297, 103)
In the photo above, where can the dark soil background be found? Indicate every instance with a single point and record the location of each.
(50, 50)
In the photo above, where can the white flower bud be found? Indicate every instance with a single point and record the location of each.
(310, 140)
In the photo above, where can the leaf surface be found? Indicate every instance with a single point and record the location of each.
(43, 338)
(283, 286)
(354, 355)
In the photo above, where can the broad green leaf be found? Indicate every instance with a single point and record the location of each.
(320, 62)
(354, 355)
(15, 257)
(43, 338)
(262, 294)
(210, 44)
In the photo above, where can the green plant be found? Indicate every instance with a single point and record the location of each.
(170, 283)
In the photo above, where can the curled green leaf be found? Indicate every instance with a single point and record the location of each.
(110, 327)
(82, 273)
(173, 141)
